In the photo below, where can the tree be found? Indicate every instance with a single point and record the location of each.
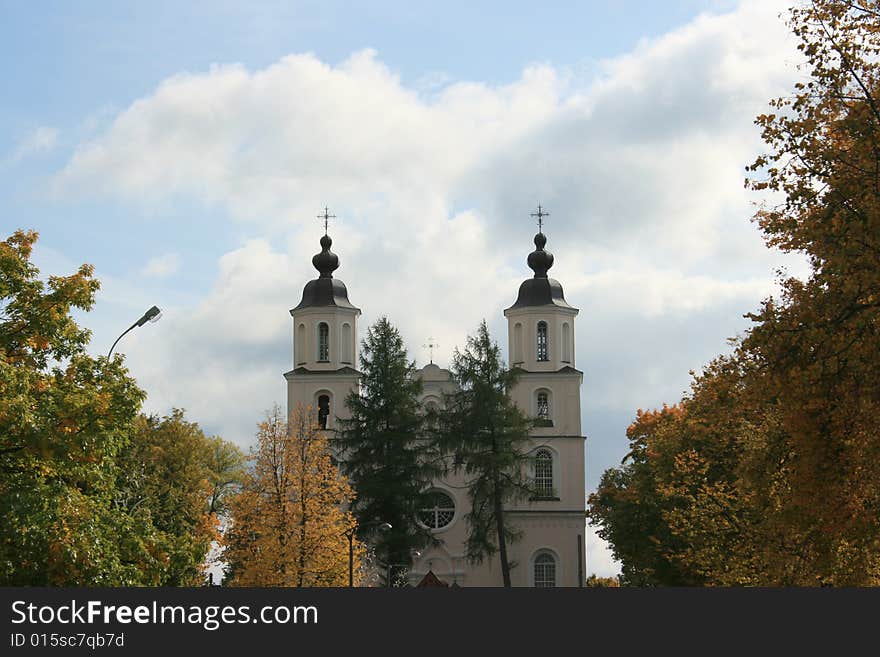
(180, 477)
(287, 525)
(602, 582)
(488, 439)
(769, 471)
(681, 509)
(382, 448)
(226, 466)
(64, 417)
(817, 349)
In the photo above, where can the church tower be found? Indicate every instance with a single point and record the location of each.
(324, 343)
(541, 338)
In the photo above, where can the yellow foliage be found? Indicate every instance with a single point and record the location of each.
(289, 526)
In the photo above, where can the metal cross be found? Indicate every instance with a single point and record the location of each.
(326, 217)
(540, 214)
(429, 345)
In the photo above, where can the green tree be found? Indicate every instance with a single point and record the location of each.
(64, 417)
(226, 468)
(382, 448)
(172, 471)
(487, 437)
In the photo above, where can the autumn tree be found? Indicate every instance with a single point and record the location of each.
(487, 437)
(769, 471)
(382, 448)
(64, 418)
(681, 510)
(288, 524)
(817, 349)
(594, 581)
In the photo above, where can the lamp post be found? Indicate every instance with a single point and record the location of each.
(349, 534)
(152, 315)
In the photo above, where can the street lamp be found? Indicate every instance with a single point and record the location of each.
(152, 315)
(349, 534)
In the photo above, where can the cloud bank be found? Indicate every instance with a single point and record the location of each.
(641, 169)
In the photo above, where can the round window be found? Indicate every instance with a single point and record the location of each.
(440, 512)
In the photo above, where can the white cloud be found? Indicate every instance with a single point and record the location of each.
(37, 142)
(641, 169)
(162, 266)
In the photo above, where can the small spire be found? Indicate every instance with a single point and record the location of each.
(540, 260)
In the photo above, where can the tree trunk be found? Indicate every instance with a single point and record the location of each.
(499, 525)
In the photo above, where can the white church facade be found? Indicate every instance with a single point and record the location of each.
(541, 338)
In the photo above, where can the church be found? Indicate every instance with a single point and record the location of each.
(541, 338)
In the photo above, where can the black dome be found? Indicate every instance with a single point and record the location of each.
(540, 290)
(325, 290)
(326, 262)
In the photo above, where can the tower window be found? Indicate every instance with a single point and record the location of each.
(566, 343)
(543, 406)
(517, 344)
(301, 344)
(323, 342)
(545, 570)
(345, 347)
(542, 351)
(323, 410)
(543, 473)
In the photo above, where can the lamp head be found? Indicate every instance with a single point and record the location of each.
(152, 315)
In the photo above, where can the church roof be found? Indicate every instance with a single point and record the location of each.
(540, 290)
(430, 580)
(565, 369)
(342, 370)
(325, 290)
(432, 372)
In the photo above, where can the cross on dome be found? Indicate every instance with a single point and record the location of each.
(540, 214)
(326, 217)
(430, 345)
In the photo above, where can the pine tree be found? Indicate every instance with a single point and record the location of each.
(288, 526)
(488, 437)
(382, 449)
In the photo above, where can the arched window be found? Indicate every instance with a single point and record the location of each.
(543, 473)
(346, 346)
(566, 343)
(439, 512)
(517, 344)
(545, 571)
(323, 342)
(542, 351)
(543, 405)
(301, 344)
(323, 410)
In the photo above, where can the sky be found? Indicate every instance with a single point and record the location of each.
(185, 150)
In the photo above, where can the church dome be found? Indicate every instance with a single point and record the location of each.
(325, 290)
(540, 290)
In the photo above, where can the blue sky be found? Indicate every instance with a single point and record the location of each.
(184, 149)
